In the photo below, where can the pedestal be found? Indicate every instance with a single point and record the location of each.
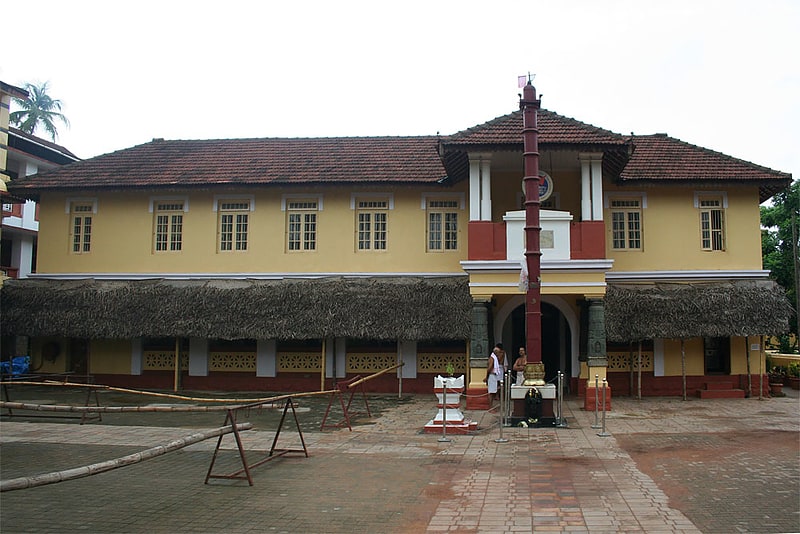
(548, 393)
(448, 392)
(589, 401)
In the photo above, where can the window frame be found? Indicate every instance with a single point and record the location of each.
(713, 234)
(80, 234)
(627, 211)
(307, 218)
(238, 234)
(457, 208)
(371, 234)
(173, 238)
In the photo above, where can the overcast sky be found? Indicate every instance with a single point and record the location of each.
(720, 74)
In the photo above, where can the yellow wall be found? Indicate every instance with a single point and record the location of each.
(41, 365)
(110, 356)
(671, 233)
(122, 238)
(695, 361)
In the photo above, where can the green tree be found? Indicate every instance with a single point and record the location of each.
(39, 109)
(779, 241)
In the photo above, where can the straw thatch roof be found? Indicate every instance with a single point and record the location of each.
(722, 309)
(364, 308)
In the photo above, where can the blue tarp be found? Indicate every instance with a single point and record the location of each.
(18, 365)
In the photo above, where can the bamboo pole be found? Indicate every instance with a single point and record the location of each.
(374, 375)
(399, 373)
(761, 368)
(102, 467)
(127, 409)
(639, 373)
(749, 376)
(683, 366)
(177, 364)
(322, 370)
(630, 364)
(161, 395)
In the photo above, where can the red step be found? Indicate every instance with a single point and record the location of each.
(719, 385)
(720, 393)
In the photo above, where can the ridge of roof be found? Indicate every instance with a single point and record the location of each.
(553, 129)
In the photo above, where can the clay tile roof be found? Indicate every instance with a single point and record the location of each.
(554, 129)
(659, 157)
(48, 145)
(187, 163)
(13, 90)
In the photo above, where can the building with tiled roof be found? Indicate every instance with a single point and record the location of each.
(21, 154)
(290, 264)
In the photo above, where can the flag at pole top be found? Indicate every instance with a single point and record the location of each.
(522, 80)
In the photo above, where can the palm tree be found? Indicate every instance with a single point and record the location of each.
(39, 109)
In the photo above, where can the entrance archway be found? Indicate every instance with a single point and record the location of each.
(559, 333)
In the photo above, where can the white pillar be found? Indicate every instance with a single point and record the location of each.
(597, 187)
(266, 358)
(408, 355)
(474, 190)
(198, 356)
(137, 363)
(586, 190)
(341, 357)
(486, 190)
(329, 359)
(658, 357)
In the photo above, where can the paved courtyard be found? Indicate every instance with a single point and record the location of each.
(668, 466)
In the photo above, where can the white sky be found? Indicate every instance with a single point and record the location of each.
(720, 74)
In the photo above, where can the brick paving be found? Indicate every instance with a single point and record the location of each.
(668, 466)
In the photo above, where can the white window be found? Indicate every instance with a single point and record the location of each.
(442, 224)
(712, 222)
(81, 227)
(372, 218)
(168, 225)
(233, 223)
(626, 223)
(301, 224)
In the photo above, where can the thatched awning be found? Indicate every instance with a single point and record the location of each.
(363, 308)
(723, 309)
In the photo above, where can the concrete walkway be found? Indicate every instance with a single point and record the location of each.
(668, 466)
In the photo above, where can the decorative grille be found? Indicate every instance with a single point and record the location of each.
(437, 363)
(621, 361)
(232, 361)
(369, 363)
(299, 362)
(162, 360)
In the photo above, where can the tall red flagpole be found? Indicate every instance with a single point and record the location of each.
(533, 253)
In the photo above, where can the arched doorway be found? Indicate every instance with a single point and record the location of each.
(559, 335)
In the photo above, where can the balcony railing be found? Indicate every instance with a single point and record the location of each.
(560, 238)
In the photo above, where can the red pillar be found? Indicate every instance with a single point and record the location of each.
(533, 307)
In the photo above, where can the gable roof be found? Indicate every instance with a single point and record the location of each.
(36, 146)
(554, 129)
(660, 158)
(251, 162)
(13, 90)
(432, 160)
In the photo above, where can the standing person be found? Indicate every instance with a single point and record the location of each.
(495, 370)
(519, 367)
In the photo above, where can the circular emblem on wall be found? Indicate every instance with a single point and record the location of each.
(545, 186)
